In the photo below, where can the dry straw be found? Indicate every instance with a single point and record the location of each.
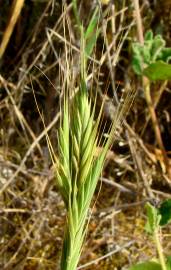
(15, 13)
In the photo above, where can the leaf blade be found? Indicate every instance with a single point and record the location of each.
(158, 71)
(146, 266)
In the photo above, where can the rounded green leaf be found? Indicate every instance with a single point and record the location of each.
(146, 266)
(158, 71)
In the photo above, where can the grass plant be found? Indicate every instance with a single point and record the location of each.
(40, 50)
(78, 165)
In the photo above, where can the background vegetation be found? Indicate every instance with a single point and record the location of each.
(42, 52)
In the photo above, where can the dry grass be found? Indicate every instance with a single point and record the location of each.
(15, 13)
(32, 214)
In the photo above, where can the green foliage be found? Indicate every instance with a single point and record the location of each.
(158, 71)
(78, 169)
(156, 217)
(78, 166)
(151, 57)
(168, 262)
(92, 33)
(147, 266)
(165, 212)
(75, 9)
(153, 219)
(151, 265)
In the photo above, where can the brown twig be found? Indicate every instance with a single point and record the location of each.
(29, 151)
(16, 10)
(138, 165)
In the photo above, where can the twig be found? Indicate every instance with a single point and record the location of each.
(130, 243)
(156, 125)
(16, 10)
(139, 21)
(29, 151)
(139, 169)
(119, 186)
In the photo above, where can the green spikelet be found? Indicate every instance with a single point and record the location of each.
(78, 166)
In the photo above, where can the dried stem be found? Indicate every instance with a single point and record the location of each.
(16, 10)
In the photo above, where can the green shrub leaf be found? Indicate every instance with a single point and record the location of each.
(158, 71)
(165, 212)
(137, 61)
(157, 47)
(151, 58)
(165, 55)
(168, 263)
(147, 266)
(148, 36)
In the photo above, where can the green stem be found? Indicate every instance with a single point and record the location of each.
(73, 240)
(160, 250)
